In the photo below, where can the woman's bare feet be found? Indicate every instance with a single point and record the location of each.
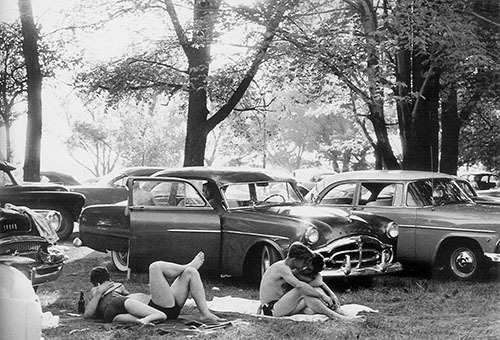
(198, 260)
(144, 322)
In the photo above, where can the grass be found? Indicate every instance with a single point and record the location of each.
(410, 307)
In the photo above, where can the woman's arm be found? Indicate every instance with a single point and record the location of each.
(331, 294)
(96, 294)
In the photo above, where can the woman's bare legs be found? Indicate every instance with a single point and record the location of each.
(140, 313)
(187, 281)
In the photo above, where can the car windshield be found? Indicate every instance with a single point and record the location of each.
(438, 191)
(260, 193)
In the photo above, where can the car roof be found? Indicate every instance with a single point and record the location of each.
(140, 170)
(406, 175)
(67, 178)
(226, 175)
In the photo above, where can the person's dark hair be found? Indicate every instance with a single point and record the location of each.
(299, 251)
(211, 189)
(99, 275)
(318, 263)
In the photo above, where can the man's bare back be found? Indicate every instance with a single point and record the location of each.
(273, 285)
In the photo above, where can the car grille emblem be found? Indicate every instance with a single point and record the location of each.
(9, 227)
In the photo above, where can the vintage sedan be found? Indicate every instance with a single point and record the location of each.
(111, 188)
(261, 214)
(440, 226)
(27, 241)
(47, 196)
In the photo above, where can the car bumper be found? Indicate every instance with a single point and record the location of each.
(45, 273)
(381, 269)
(494, 257)
(358, 255)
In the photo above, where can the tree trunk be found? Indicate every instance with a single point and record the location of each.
(425, 129)
(34, 80)
(198, 54)
(8, 146)
(196, 132)
(376, 93)
(450, 125)
(404, 107)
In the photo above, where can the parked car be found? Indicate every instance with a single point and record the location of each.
(166, 217)
(479, 196)
(58, 178)
(482, 180)
(440, 226)
(111, 188)
(41, 196)
(27, 240)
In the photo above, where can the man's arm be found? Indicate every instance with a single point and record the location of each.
(304, 287)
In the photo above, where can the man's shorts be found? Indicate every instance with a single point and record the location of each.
(268, 308)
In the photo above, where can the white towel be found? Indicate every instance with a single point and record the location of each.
(251, 307)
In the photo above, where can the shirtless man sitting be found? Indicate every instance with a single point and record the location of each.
(278, 300)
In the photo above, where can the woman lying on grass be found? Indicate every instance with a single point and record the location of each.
(114, 303)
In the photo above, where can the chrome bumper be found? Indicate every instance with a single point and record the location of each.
(381, 269)
(45, 273)
(494, 257)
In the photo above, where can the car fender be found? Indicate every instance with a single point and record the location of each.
(485, 239)
(252, 253)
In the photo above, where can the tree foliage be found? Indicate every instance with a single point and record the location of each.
(13, 76)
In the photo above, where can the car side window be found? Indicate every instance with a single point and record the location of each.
(340, 194)
(165, 194)
(381, 194)
(238, 195)
(191, 198)
(5, 179)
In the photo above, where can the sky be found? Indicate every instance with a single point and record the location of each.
(56, 96)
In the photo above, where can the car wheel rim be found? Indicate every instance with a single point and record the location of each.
(463, 262)
(120, 260)
(266, 260)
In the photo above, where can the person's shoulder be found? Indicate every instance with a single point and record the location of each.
(281, 266)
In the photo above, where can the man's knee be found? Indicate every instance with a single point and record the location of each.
(191, 272)
(155, 266)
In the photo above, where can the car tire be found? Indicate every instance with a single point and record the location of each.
(268, 256)
(67, 225)
(119, 259)
(464, 262)
(258, 261)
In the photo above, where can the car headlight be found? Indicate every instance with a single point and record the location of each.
(392, 229)
(311, 235)
(54, 220)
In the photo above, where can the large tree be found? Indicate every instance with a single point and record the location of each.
(12, 79)
(193, 74)
(409, 54)
(34, 88)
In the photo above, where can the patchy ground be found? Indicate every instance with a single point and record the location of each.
(410, 308)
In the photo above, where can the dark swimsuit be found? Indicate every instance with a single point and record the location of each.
(170, 312)
(268, 308)
(112, 304)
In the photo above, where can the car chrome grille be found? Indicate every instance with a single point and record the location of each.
(358, 254)
(30, 249)
(355, 252)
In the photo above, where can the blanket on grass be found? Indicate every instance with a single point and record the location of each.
(251, 307)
